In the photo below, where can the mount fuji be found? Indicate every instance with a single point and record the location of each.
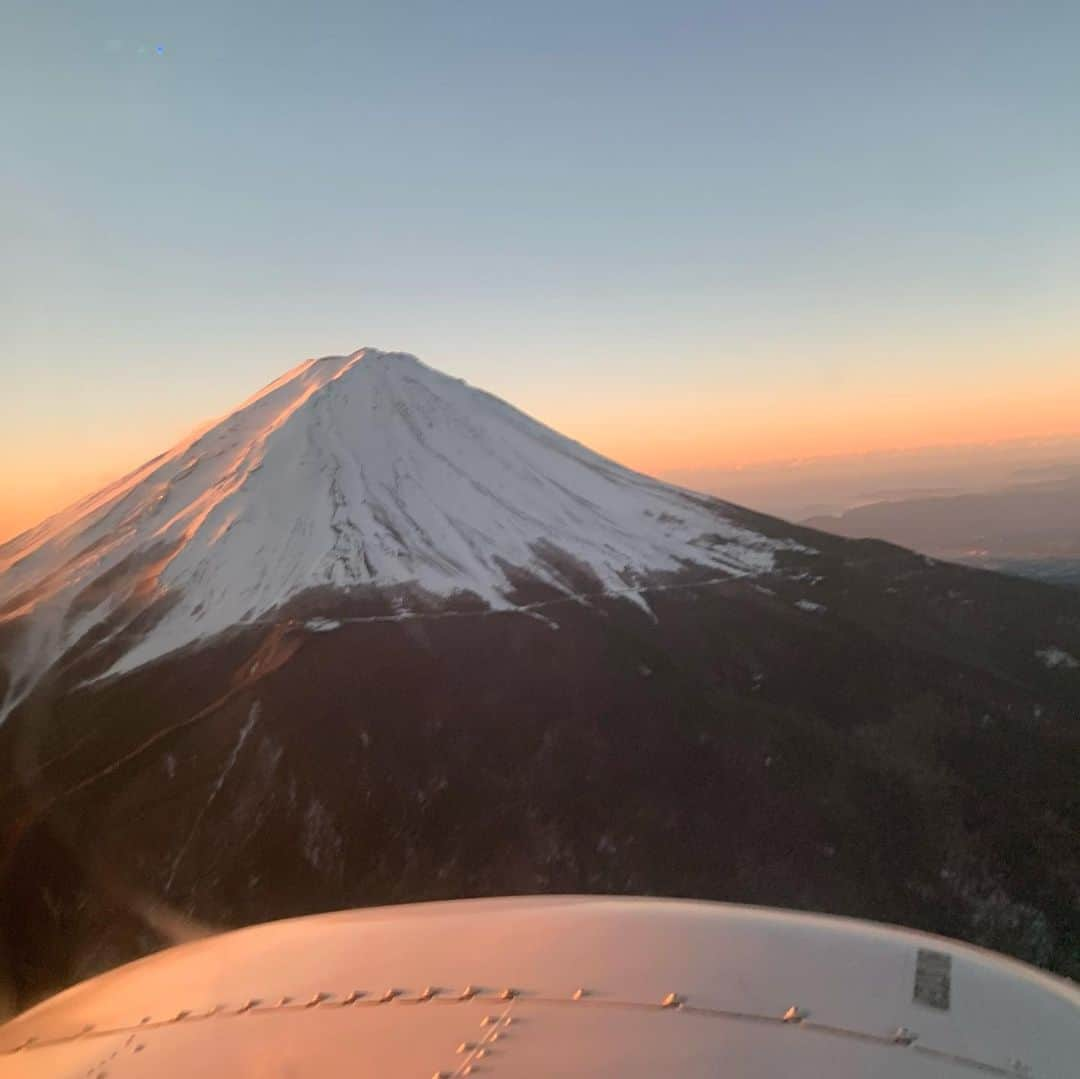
(378, 636)
(363, 472)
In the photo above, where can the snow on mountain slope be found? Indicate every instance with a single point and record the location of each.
(363, 470)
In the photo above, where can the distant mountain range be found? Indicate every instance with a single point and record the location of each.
(377, 636)
(1030, 528)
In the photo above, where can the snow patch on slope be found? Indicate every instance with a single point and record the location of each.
(1057, 657)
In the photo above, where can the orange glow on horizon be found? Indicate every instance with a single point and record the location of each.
(758, 431)
(660, 435)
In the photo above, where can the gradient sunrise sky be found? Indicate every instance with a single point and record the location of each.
(689, 234)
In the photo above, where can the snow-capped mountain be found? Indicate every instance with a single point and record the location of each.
(379, 637)
(367, 470)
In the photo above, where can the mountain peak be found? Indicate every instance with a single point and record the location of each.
(369, 471)
(369, 356)
(378, 355)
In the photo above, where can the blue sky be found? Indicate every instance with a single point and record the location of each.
(616, 215)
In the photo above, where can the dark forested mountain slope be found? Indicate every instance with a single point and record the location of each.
(660, 693)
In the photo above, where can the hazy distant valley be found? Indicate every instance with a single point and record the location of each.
(1012, 506)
